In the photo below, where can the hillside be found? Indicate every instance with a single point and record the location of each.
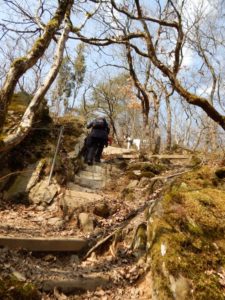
(133, 226)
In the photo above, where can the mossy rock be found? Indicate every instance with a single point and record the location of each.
(38, 144)
(147, 167)
(205, 207)
(11, 288)
(72, 125)
(197, 179)
(190, 225)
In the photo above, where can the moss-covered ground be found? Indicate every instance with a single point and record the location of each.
(186, 237)
(11, 288)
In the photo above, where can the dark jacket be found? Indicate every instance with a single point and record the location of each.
(99, 132)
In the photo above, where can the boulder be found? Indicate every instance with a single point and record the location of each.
(43, 193)
(19, 187)
(55, 221)
(36, 174)
(133, 183)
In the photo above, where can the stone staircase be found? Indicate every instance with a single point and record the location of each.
(87, 185)
(93, 177)
(84, 191)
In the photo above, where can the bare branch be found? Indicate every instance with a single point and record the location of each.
(141, 17)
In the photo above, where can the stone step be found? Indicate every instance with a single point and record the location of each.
(104, 168)
(90, 182)
(71, 186)
(76, 284)
(76, 199)
(172, 156)
(130, 156)
(47, 244)
(98, 169)
(90, 175)
(117, 151)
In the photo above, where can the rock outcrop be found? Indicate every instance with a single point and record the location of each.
(186, 238)
(24, 176)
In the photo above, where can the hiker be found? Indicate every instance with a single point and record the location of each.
(96, 140)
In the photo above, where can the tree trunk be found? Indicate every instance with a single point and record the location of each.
(169, 123)
(157, 141)
(157, 137)
(192, 99)
(213, 136)
(28, 117)
(145, 125)
(22, 64)
(142, 93)
(114, 133)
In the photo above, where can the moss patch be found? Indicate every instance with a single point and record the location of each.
(147, 167)
(73, 126)
(11, 288)
(190, 225)
(19, 102)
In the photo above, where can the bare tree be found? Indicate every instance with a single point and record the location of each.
(22, 64)
(29, 115)
(168, 61)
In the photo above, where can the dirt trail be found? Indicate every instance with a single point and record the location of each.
(116, 269)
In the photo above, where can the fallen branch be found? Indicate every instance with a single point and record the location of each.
(169, 176)
(177, 174)
(126, 221)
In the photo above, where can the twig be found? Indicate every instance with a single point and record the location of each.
(99, 243)
(169, 176)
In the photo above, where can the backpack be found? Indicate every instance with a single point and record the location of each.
(99, 124)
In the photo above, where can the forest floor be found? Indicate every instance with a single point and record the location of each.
(115, 269)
